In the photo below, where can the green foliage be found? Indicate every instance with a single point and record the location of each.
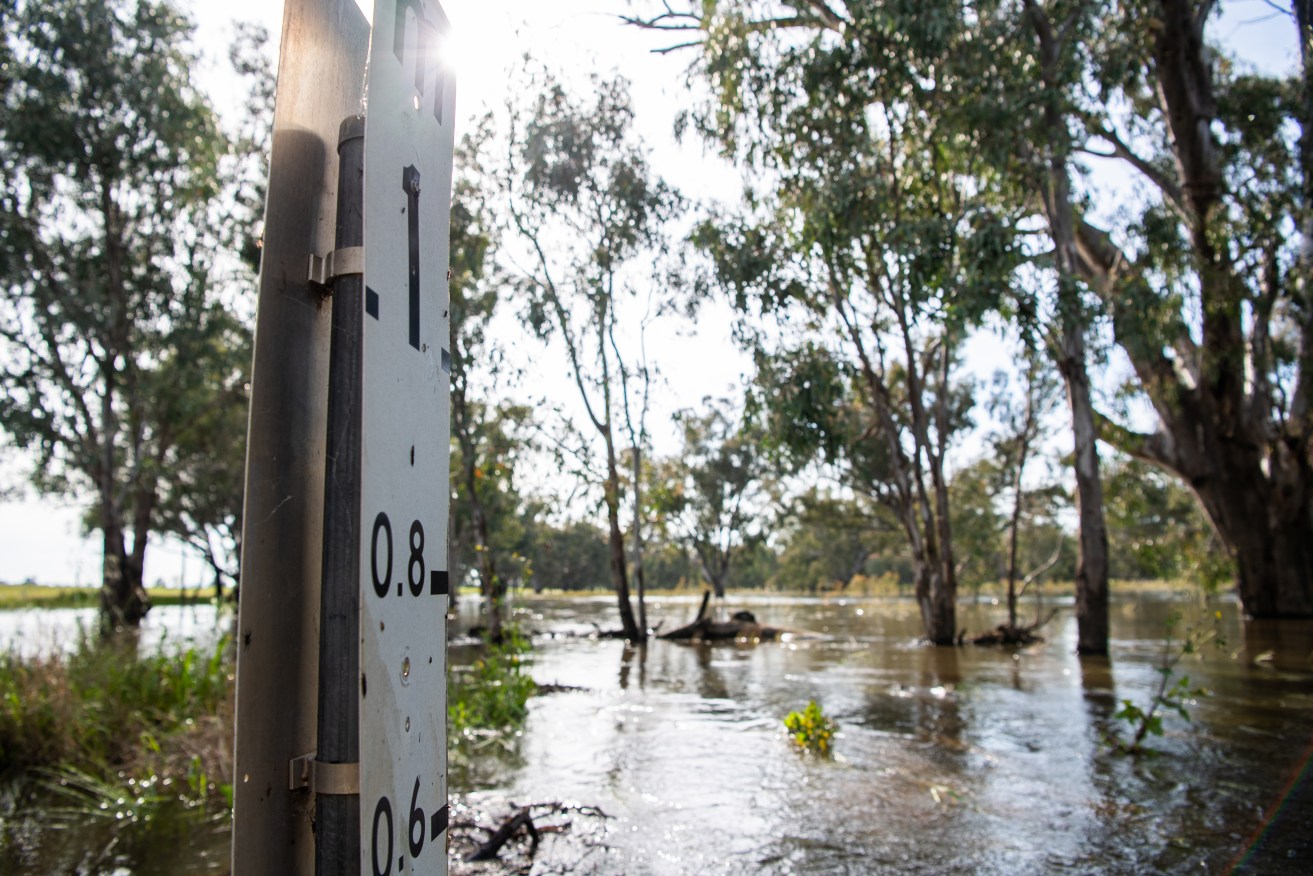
(712, 493)
(1156, 529)
(1000, 504)
(1174, 692)
(811, 730)
(106, 716)
(573, 556)
(82, 796)
(490, 698)
(124, 369)
(827, 540)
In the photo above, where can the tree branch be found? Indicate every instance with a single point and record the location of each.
(1157, 449)
(1171, 191)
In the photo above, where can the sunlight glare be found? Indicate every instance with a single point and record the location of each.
(454, 51)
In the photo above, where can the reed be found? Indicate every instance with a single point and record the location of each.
(103, 710)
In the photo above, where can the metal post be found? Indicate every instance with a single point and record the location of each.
(324, 48)
(337, 816)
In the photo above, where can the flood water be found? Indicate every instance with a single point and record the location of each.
(948, 760)
(31, 632)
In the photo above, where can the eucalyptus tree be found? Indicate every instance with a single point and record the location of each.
(119, 348)
(713, 491)
(487, 432)
(589, 212)
(1207, 287)
(871, 257)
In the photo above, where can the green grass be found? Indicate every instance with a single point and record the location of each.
(18, 596)
(103, 711)
(14, 596)
(174, 596)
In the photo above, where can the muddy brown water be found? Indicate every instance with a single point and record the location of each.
(969, 760)
(948, 760)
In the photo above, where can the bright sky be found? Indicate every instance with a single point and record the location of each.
(41, 539)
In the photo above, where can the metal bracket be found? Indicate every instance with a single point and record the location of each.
(306, 773)
(338, 263)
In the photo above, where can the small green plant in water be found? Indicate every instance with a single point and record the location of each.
(1174, 692)
(811, 729)
(490, 697)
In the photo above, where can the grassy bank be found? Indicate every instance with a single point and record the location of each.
(14, 596)
(18, 596)
(102, 715)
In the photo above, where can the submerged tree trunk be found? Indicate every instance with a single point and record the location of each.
(1275, 567)
(619, 563)
(938, 605)
(1266, 521)
(123, 600)
(639, 577)
(1092, 558)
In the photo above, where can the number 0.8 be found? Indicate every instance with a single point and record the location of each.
(414, 568)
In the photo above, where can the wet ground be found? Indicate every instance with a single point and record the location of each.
(948, 760)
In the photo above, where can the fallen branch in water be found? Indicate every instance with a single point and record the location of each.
(523, 822)
(1021, 634)
(503, 834)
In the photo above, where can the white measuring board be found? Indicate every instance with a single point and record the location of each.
(410, 100)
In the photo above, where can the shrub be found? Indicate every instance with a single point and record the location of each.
(810, 729)
(491, 696)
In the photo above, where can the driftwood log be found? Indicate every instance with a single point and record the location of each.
(741, 625)
(535, 822)
(1008, 635)
(521, 819)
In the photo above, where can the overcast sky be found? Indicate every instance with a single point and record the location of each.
(41, 539)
